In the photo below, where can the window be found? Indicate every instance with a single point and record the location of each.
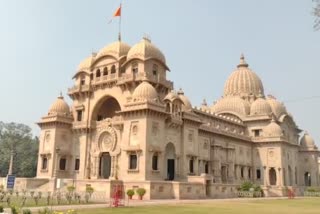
(105, 71)
(242, 172)
(155, 162)
(258, 174)
(191, 165)
(44, 163)
(206, 168)
(82, 81)
(77, 164)
(256, 132)
(79, 115)
(63, 164)
(249, 173)
(155, 70)
(113, 69)
(133, 161)
(91, 76)
(98, 74)
(135, 68)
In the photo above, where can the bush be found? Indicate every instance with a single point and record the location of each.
(1, 209)
(130, 192)
(141, 191)
(313, 189)
(71, 188)
(246, 186)
(14, 210)
(45, 211)
(89, 189)
(26, 211)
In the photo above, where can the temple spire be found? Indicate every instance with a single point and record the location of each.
(243, 62)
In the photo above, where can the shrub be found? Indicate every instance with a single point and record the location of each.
(89, 189)
(45, 211)
(246, 186)
(313, 189)
(71, 188)
(1, 209)
(14, 210)
(26, 211)
(141, 191)
(130, 192)
(1, 187)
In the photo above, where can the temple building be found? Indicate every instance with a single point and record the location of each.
(127, 124)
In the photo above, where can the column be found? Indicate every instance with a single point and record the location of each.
(279, 177)
(265, 176)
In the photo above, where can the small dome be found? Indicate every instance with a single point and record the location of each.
(116, 49)
(232, 104)
(59, 107)
(307, 141)
(172, 95)
(85, 64)
(243, 82)
(186, 103)
(278, 108)
(145, 91)
(145, 50)
(260, 107)
(272, 130)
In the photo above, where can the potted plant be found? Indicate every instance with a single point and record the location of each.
(141, 192)
(130, 193)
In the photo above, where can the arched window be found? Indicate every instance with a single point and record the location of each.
(63, 164)
(155, 162)
(155, 70)
(82, 80)
(206, 168)
(191, 161)
(105, 71)
(307, 179)
(272, 176)
(98, 73)
(135, 68)
(133, 161)
(113, 69)
(242, 172)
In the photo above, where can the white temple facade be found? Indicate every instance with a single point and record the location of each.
(126, 124)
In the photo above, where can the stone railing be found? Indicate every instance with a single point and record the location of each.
(249, 194)
(78, 89)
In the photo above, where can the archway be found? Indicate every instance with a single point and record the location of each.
(170, 159)
(307, 179)
(106, 108)
(105, 165)
(272, 176)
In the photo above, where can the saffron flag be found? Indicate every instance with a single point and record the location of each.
(118, 12)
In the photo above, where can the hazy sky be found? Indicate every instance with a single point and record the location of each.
(43, 41)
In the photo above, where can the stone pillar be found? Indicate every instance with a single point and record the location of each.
(265, 176)
(279, 177)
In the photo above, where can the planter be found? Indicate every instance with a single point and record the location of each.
(140, 197)
(130, 197)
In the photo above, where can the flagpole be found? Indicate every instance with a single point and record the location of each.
(119, 36)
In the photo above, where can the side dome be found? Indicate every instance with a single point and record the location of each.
(145, 50)
(59, 107)
(172, 95)
(272, 130)
(307, 141)
(116, 49)
(278, 108)
(85, 64)
(232, 104)
(260, 107)
(243, 82)
(186, 103)
(145, 91)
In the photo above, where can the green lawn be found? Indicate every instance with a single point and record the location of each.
(296, 206)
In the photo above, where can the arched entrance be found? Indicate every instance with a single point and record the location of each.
(106, 108)
(105, 165)
(272, 176)
(170, 159)
(307, 179)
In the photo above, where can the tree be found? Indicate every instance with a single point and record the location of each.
(17, 138)
(316, 13)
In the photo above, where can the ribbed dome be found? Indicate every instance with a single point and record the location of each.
(307, 141)
(232, 104)
(85, 64)
(186, 103)
(145, 50)
(272, 130)
(260, 107)
(145, 91)
(172, 95)
(243, 82)
(116, 49)
(59, 107)
(278, 108)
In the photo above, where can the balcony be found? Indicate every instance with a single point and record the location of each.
(79, 89)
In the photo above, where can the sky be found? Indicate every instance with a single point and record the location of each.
(42, 43)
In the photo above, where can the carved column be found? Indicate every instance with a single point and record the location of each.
(279, 177)
(265, 176)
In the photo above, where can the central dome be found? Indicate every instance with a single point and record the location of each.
(243, 82)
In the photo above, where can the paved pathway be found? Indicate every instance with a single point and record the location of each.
(133, 203)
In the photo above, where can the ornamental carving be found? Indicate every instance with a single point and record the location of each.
(107, 140)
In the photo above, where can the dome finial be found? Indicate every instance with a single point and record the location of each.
(204, 102)
(180, 92)
(60, 95)
(243, 62)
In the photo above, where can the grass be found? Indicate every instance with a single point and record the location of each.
(283, 206)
